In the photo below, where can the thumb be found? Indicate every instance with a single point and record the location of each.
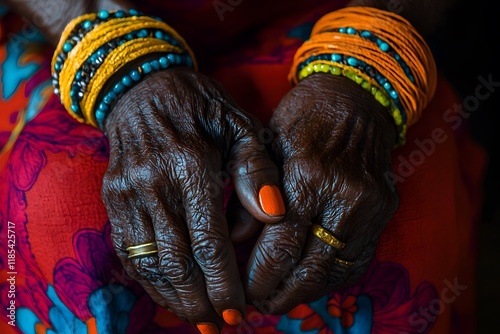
(243, 225)
(255, 176)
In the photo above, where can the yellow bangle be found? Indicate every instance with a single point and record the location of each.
(67, 31)
(93, 41)
(94, 47)
(118, 58)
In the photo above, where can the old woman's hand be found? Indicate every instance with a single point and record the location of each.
(173, 138)
(333, 144)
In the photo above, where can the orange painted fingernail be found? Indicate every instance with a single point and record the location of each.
(207, 328)
(232, 317)
(271, 201)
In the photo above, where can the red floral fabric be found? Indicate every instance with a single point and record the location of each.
(67, 276)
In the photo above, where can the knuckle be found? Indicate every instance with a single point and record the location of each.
(112, 184)
(310, 277)
(251, 160)
(193, 161)
(192, 167)
(125, 184)
(305, 180)
(306, 169)
(211, 254)
(241, 124)
(279, 255)
(146, 266)
(178, 267)
(139, 177)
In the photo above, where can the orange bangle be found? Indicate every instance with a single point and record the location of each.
(394, 50)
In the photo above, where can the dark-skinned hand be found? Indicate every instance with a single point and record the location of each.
(333, 144)
(171, 137)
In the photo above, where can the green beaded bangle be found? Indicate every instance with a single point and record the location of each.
(366, 82)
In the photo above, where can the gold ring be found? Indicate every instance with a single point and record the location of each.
(142, 250)
(344, 262)
(326, 236)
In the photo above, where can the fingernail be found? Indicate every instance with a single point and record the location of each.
(232, 317)
(271, 201)
(207, 328)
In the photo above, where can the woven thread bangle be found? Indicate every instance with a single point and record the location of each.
(94, 47)
(376, 49)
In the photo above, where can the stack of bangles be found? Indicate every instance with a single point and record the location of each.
(94, 47)
(380, 51)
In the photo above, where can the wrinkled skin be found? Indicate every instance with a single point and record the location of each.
(171, 138)
(173, 134)
(333, 144)
(168, 147)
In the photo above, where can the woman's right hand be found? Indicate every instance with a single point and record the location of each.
(172, 139)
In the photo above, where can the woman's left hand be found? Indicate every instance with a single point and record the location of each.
(333, 143)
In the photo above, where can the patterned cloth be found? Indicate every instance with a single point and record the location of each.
(65, 276)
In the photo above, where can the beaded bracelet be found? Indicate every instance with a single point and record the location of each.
(367, 82)
(94, 47)
(361, 43)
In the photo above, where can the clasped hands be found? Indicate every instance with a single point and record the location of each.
(175, 132)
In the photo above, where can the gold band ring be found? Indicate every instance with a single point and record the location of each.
(142, 250)
(326, 236)
(344, 262)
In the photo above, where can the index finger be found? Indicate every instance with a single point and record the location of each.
(280, 246)
(211, 245)
(275, 254)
